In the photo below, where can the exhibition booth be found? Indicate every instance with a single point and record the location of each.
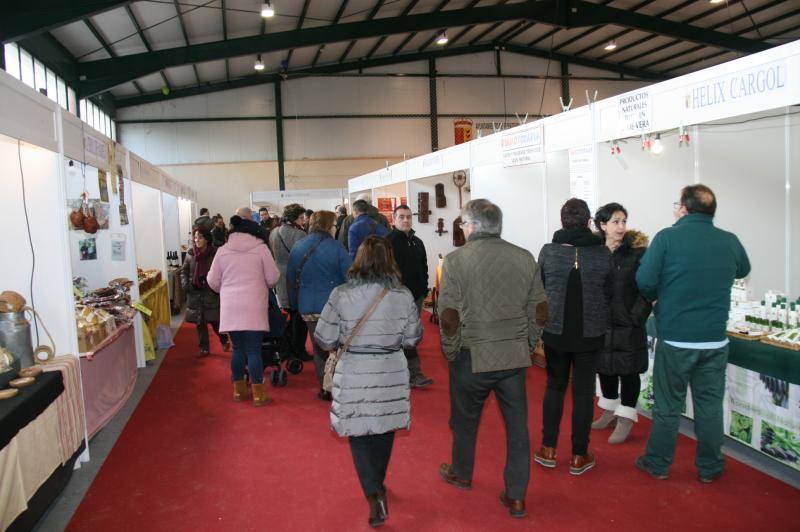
(72, 302)
(734, 127)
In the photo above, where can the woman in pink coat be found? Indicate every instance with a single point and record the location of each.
(242, 273)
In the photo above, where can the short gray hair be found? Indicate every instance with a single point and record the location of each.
(244, 212)
(485, 215)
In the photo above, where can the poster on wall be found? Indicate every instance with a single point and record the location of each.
(386, 207)
(102, 181)
(524, 145)
(118, 248)
(634, 113)
(87, 248)
(582, 175)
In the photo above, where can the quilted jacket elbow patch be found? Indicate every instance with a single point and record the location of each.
(450, 320)
(541, 313)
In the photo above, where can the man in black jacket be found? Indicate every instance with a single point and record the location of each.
(409, 253)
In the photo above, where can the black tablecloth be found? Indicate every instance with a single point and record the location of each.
(26, 406)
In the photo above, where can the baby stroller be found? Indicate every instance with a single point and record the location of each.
(274, 352)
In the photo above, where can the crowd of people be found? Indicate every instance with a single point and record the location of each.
(358, 283)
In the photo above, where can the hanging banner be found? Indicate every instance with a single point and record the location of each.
(582, 175)
(749, 90)
(525, 145)
(634, 113)
(463, 128)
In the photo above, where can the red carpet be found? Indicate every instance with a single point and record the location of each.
(192, 459)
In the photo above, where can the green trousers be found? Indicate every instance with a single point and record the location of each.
(675, 369)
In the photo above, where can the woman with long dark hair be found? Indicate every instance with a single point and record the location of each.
(625, 354)
(371, 394)
(202, 303)
(576, 272)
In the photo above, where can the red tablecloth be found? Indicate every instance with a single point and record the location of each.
(108, 375)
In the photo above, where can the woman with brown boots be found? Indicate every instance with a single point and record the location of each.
(374, 316)
(243, 272)
(625, 354)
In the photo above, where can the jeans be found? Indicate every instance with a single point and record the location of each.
(202, 332)
(320, 355)
(468, 393)
(675, 369)
(371, 456)
(247, 350)
(631, 386)
(584, 369)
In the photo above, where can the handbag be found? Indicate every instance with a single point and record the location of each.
(333, 358)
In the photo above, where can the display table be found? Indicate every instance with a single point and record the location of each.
(157, 301)
(760, 404)
(108, 375)
(30, 446)
(783, 364)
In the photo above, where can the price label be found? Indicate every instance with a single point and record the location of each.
(141, 308)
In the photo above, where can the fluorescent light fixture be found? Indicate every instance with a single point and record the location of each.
(716, 1)
(658, 147)
(442, 39)
(259, 64)
(267, 10)
(612, 45)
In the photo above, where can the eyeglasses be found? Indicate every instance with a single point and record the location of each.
(462, 224)
(676, 205)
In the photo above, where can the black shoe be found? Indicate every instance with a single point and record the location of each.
(642, 466)
(377, 510)
(324, 396)
(710, 478)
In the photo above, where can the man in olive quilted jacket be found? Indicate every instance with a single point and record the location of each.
(492, 307)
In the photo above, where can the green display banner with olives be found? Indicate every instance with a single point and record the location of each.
(760, 411)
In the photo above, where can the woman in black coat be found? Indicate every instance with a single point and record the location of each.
(202, 303)
(625, 354)
(576, 273)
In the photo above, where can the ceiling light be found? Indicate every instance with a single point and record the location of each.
(259, 64)
(657, 148)
(612, 45)
(716, 1)
(442, 39)
(267, 10)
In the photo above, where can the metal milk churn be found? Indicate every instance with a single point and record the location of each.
(15, 336)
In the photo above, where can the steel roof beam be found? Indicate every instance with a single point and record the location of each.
(20, 19)
(350, 66)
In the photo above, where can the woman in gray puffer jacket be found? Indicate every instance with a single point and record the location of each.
(371, 394)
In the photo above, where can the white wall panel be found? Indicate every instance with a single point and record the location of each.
(468, 64)
(346, 138)
(744, 165)
(248, 101)
(351, 95)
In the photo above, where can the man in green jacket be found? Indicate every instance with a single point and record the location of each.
(689, 269)
(492, 307)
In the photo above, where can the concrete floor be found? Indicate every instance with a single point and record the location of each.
(58, 516)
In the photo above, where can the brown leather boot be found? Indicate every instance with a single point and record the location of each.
(515, 507)
(240, 391)
(260, 395)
